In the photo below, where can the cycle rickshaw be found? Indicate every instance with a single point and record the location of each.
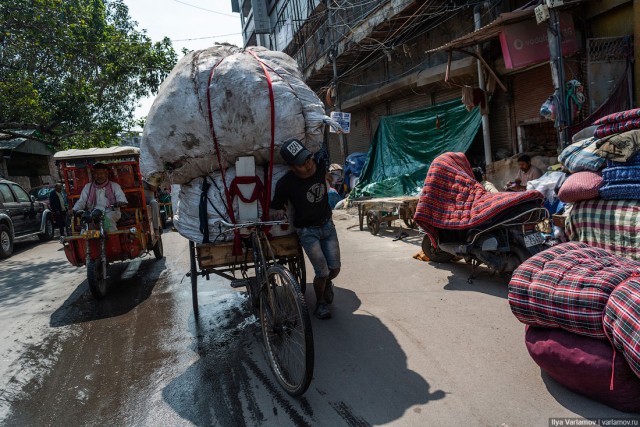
(87, 242)
(276, 294)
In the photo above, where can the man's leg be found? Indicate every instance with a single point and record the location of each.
(309, 239)
(331, 250)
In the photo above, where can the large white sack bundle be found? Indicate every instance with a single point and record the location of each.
(187, 217)
(177, 144)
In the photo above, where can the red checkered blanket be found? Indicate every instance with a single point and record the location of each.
(568, 286)
(622, 321)
(453, 199)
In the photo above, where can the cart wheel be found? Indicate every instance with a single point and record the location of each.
(409, 222)
(373, 223)
(97, 280)
(299, 271)
(158, 250)
(286, 331)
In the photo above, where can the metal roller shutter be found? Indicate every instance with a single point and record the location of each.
(500, 122)
(530, 89)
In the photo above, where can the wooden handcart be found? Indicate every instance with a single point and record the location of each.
(219, 259)
(386, 210)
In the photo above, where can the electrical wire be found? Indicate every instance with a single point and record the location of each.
(208, 10)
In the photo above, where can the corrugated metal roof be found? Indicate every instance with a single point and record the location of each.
(24, 145)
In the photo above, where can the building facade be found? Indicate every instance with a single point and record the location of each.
(379, 58)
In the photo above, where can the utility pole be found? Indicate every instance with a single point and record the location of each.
(333, 53)
(486, 136)
(563, 117)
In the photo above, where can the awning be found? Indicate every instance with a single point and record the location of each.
(487, 32)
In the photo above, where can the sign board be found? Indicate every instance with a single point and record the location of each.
(527, 43)
(344, 119)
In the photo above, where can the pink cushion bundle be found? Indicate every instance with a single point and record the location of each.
(580, 186)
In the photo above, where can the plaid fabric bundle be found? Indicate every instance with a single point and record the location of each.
(617, 127)
(612, 225)
(581, 156)
(621, 116)
(452, 198)
(622, 321)
(567, 287)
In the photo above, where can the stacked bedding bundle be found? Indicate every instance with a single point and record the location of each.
(582, 306)
(604, 187)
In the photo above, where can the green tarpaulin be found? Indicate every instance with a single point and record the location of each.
(405, 144)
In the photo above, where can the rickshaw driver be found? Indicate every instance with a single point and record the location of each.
(102, 194)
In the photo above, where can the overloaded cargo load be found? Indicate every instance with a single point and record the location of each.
(232, 94)
(206, 195)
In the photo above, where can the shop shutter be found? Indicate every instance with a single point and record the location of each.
(411, 102)
(530, 89)
(502, 136)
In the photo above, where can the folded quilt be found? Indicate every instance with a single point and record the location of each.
(618, 191)
(617, 127)
(622, 321)
(567, 287)
(631, 161)
(581, 156)
(612, 225)
(621, 116)
(621, 174)
(619, 147)
(453, 199)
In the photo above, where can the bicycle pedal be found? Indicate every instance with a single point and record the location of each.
(240, 283)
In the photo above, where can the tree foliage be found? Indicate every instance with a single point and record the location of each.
(75, 69)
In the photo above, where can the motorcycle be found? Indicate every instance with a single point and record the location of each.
(502, 244)
(462, 220)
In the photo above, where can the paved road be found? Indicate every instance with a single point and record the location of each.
(410, 343)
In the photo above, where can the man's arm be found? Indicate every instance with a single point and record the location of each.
(117, 191)
(279, 201)
(81, 203)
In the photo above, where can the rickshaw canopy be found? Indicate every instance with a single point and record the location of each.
(108, 152)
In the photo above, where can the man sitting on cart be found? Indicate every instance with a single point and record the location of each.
(306, 188)
(104, 195)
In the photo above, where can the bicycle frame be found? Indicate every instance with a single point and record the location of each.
(260, 262)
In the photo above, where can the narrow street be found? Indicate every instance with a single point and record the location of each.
(410, 343)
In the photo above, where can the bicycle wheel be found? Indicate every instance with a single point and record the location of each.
(286, 330)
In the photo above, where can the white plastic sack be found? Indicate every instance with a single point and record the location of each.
(177, 144)
(546, 184)
(187, 218)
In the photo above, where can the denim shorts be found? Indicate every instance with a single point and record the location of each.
(321, 246)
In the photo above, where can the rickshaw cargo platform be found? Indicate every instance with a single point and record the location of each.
(219, 259)
(388, 209)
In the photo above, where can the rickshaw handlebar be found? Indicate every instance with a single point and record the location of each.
(253, 224)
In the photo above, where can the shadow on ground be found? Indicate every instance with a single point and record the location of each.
(130, 283)
(360, 378)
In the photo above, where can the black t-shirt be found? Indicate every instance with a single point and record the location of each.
(308, 197)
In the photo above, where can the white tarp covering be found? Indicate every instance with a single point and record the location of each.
(177, 144)
(187, 218)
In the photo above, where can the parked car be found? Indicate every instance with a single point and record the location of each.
(21, 217)
(42, 193)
